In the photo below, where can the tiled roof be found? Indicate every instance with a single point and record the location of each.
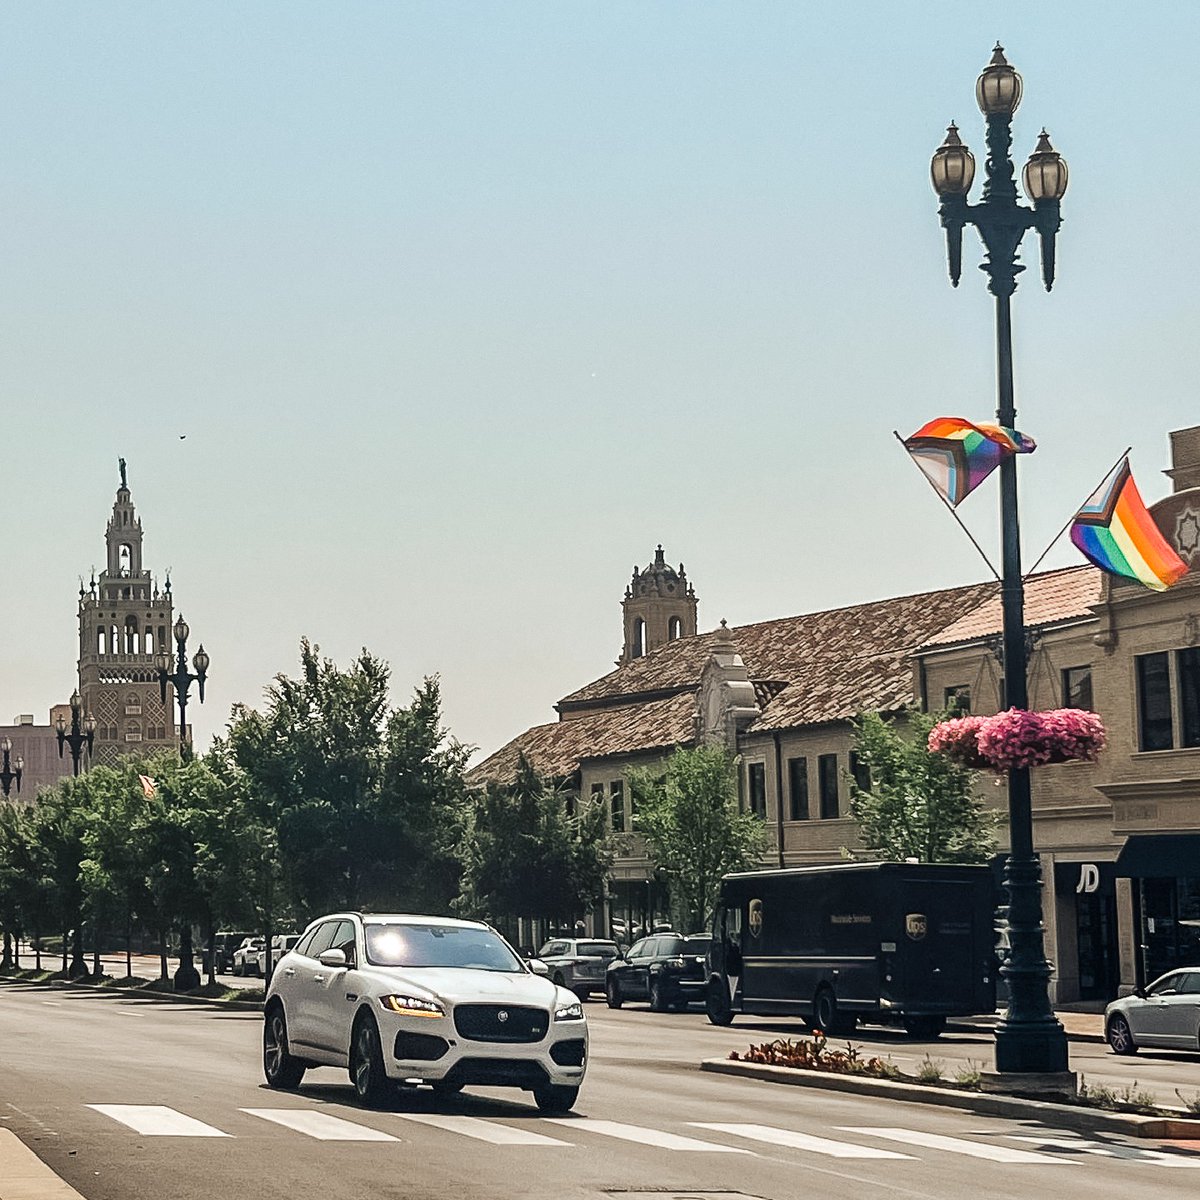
(556, 750)
(1051, 597)
(824, 655)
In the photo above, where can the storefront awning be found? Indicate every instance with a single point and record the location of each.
(1160, 856)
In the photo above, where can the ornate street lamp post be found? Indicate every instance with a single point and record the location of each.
(187, 977)
(83, 733)
(1029, 1038)
(175, 672)
(8, 776)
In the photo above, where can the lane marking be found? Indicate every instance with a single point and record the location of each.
(646, 1137)
(53, 1003)
(1162, 1158)
(156, 1120)
(320, 1125)
(799, 1141)
(952, 1145)
(484, 1131)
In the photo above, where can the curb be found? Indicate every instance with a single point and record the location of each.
(138, 994)
(1065, 1116)
(23, 1176)
(953, 1026)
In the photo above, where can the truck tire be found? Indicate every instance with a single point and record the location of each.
(826, 1017)
(924, 1027)
(716, 1003)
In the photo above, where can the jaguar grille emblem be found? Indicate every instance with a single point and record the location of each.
(502, 1015)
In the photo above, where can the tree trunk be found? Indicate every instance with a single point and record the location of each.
(17, 948)
(96, 971)
(164, 971)
(128, 944)
(66, 938)
(6, 962)
(37, 947)
(211, 934)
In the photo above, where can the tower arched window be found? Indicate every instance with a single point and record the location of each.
(101, 641)
(124, 559)
(131, 635)
(639, 637)
(674, 628)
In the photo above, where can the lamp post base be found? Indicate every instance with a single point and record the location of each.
(1047, 1085)
(1031, 1048)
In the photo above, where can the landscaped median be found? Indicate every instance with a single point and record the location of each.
(241, 999)
(811, 1063)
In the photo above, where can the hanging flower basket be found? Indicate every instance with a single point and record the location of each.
(958, 739)
(1018, 738)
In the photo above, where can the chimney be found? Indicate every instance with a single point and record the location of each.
(1184, 471)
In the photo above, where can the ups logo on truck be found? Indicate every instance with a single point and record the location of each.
(756, 917)
(915, 925)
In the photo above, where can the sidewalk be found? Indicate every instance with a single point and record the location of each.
(1080, 1026)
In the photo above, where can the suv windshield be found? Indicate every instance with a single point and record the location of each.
(601, 949)
(670, 945)
(438, 946)
(698, 944)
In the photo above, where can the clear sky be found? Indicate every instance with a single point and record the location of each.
(464, 307)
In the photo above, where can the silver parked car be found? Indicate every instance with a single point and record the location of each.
(579, 963)
(1165, 1014)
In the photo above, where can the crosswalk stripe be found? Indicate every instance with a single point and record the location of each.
(320, 1125)
(1161, 1158)
(484, 1131)
(156, 1120)
(647, 1137)
(935, 1141)
(798, 1141)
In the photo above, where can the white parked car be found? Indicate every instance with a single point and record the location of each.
(409, 999)
(1166, 1014)
(281, 943)
(245, 957)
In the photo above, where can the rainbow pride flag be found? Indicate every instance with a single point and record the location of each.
(957, 456)
(1115, 530)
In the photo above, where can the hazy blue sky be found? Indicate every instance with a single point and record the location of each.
(464, 307)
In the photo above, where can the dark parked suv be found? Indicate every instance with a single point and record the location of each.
(224, 944)
(667, 969)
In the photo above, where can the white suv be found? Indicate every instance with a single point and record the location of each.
(406, 999)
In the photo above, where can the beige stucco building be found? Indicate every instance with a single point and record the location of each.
(1119, 840)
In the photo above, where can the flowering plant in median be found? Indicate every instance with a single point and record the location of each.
(1019, 738)
(812, 1055)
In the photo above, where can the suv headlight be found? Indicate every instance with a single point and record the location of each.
(572, 1011)
(412, 1006)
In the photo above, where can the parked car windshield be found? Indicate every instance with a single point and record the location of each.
(438, 946)
(597, 949)
(670, 945)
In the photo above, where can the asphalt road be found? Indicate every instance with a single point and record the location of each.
(132, 1099)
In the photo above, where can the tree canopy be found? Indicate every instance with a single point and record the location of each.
(693, 828)
(916, 803)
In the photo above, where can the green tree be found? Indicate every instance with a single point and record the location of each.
(533, 850)
(693, 827)
(364, 801)
(59, 821)
(916, 804)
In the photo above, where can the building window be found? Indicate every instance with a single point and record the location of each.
(1077, 688)
(860, 772)
(675, 629)
(1187, 663)
(798, 789)
(616, 796)
(1155, 728)
(957, 699)
(639, 638)
(758, 788)
(827, 781)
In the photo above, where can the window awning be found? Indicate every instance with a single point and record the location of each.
(1160, 856)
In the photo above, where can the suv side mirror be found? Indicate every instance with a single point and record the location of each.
(335, 959)
(538, 967)
(1140, 992)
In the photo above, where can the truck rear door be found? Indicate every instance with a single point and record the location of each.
(938, 939)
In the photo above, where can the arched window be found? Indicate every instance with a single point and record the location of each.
(101, 641)
(148, 642)
(639, 637)
(124, 559)
(675, 628)
(131, 635)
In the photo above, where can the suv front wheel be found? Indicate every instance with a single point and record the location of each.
(280, 1068)
(366, 1063)
(555, 1097)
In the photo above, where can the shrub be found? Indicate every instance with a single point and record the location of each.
(930, 1070)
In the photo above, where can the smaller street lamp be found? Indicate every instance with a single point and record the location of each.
(83, 733)
(9, 776)
(175, 672)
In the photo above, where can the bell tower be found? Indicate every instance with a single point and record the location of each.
(659, 606)
(124, 620)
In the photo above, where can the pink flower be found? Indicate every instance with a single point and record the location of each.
(1018, 738)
